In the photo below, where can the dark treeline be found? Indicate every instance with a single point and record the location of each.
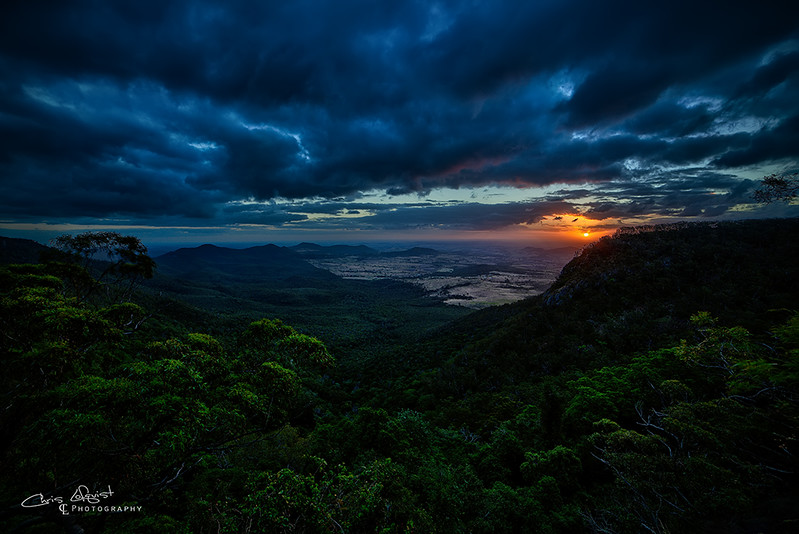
(653, 388)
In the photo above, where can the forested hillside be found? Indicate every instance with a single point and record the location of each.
(235, 286)
(653, 388)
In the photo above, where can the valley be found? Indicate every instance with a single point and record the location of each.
(474, 278)
(359, 300)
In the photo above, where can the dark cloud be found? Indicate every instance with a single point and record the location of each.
(669, 119)
(781, 68)
(776, 143)
(614, 93)
(182, 108)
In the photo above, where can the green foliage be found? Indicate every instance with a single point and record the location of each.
(87, 405)
(116, 262)
(701, 454)
(587, 409)
(308, 350)
(560, 462)
(272, 340)
(127, 253)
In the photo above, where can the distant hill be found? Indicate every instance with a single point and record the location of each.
(219, 264)
(14, 250)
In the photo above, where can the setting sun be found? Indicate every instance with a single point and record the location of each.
(585, 234)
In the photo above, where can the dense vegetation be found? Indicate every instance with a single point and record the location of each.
(234, 287)
(653, 388)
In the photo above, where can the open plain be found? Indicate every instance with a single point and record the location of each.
(474, 278)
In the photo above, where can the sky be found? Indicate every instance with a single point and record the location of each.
(359, 120)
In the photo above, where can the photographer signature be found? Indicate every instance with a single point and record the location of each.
(82, 494)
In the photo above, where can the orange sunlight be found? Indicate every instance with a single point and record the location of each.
(571, 227)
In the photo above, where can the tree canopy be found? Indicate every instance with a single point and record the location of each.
(588, 409)
(116, 262)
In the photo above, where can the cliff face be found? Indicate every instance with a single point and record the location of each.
(635, 292)
(724, 268)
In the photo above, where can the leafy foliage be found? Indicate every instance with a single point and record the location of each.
(654, 388)
(116, 261)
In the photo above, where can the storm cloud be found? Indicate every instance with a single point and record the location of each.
(190, 110)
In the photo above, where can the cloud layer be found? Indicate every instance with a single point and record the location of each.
(184, 110)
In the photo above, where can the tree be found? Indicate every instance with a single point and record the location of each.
(116, 262)
(160, 422)
(712, 443)
(777, 187)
